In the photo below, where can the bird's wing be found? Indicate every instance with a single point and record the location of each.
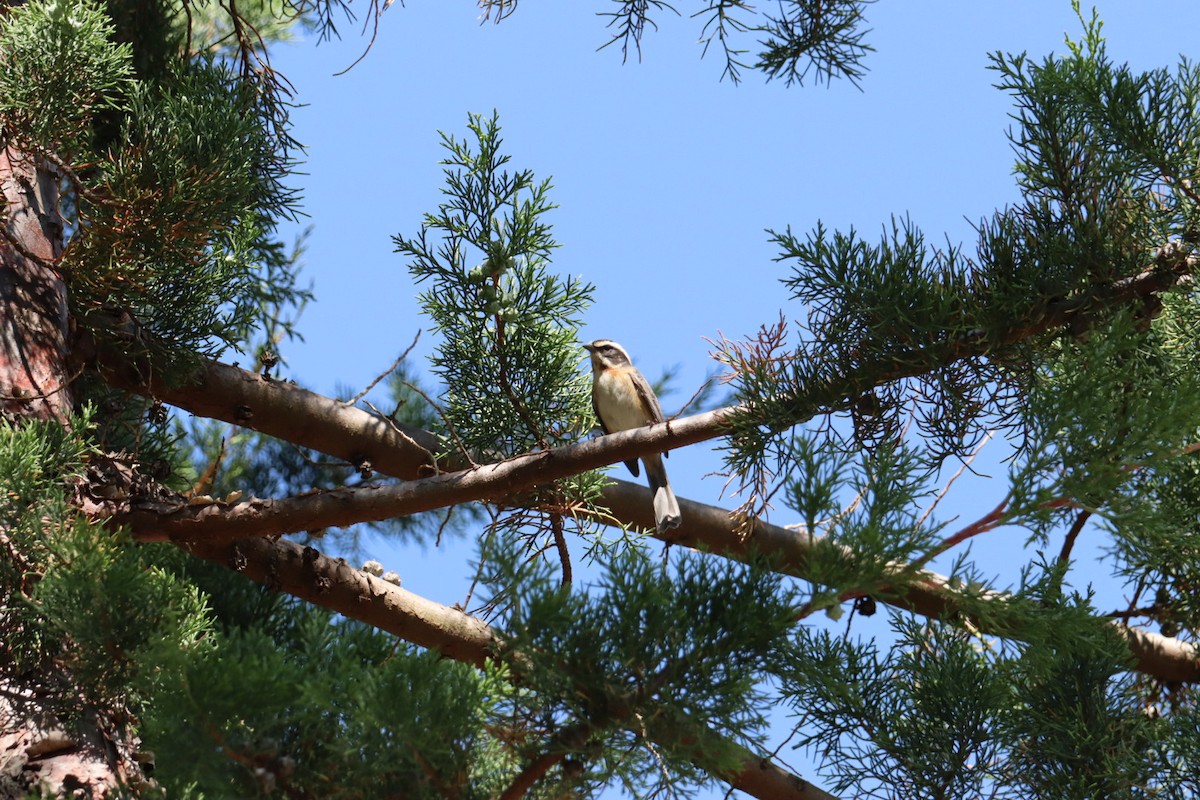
(646, 394)
(650, 404)
(599, 418)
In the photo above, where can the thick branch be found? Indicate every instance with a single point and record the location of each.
(307, 419)
(705, 527)
(311, 420)
(334, 584)
(346, 506)
(279, 409)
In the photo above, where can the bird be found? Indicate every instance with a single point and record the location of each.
(623, 399)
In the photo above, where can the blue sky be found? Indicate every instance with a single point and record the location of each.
(666, 177)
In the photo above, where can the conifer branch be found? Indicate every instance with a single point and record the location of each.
(561, 744)
(273, 407)
(305, 573)
(1173, 265)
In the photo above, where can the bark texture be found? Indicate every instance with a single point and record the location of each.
(33, 298)
(38, 753)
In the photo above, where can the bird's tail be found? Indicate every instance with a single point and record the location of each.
(666, 507)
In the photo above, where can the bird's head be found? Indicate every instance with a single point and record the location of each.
(607, 354)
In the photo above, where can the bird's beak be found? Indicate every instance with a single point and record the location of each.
(589, 348)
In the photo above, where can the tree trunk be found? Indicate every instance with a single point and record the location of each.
(33, 299)
(38, 754)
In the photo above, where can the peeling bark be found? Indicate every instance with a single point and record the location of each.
(39, 755)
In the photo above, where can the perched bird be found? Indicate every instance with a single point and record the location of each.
(623, 399)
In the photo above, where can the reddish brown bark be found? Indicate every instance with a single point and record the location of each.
(38, 754)
(33, 298)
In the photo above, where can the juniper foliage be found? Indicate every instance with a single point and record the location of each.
(645, 676)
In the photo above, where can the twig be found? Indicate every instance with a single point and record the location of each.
(374, 13)
(437, 542)
(518, 404)
(698, 393)
(1137, 596)
(29, 573)
(88, 194)
(1072, 534)
(385, 373)
(1146, 611)
(462, 448)
(209, 476)
(433, 462)
(945, 489)
(987, 522)
(649, 744)
(489, 532)
(560, 542)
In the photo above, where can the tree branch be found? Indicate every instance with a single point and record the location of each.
(348, 505)
(276, 408)
(403, 452)
(332, 583)
(310, 420)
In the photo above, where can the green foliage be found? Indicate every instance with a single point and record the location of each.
(305, 705)
(943, 713)
(900, 332)
(151, 29)
(817, 37)
(172, 209)
(1089, 457)
(37, 461)
(632, 671)
(60, 70)
(508, 353)
(1156, 535)
(190, 200)
(914, 722)
(885, 325)
(1106, 150)
(115, 610)
(909, 355)
(84, 608)
(1078, 728)
(884, 527)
